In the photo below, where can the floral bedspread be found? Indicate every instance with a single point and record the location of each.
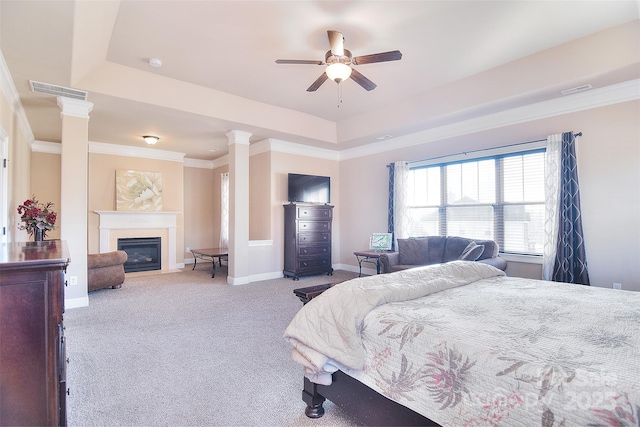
(508, 352)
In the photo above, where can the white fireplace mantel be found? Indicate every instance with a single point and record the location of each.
(128, 220)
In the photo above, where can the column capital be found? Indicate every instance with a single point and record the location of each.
(238, 137)
(74, 107)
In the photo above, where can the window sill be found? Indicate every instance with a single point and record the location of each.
(527, 259)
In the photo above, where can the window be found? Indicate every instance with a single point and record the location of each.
(498, 198)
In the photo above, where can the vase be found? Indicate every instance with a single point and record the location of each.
(38, 235)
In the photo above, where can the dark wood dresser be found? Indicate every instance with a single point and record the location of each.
(32, 346)
(307, 239)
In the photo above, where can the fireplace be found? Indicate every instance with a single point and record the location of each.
(144, 253)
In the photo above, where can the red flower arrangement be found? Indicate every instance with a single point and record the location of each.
(36, 217)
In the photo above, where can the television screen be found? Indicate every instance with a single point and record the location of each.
(309, 188)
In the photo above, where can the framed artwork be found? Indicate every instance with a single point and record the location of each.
(138, 191)
(380, 241)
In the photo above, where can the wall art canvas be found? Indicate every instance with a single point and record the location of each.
(138, 191)
(380, 241)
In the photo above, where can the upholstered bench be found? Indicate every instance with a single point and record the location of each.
(106, 270)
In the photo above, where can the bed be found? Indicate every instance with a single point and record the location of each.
(461, 344)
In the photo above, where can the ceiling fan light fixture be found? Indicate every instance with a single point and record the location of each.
(150, 139)
(338, 72)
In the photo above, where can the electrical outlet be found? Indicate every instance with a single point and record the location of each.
(188, 249)
(73, 280)
(617, 286)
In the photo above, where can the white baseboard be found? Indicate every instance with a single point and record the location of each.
(266, 276)
(76, 302)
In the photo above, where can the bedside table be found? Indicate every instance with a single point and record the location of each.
(370, 256)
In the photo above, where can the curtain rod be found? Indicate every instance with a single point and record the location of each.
(481, 150)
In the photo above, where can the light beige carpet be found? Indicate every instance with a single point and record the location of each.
(183, 349)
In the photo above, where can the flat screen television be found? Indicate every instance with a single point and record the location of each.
(309, 188)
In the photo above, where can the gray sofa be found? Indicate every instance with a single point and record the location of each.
(417, 251)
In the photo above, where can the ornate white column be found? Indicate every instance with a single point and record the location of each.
(73, 197)
(238, 207)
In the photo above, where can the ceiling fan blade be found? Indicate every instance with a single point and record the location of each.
(362, 80)
(336, 41)
(393, 55)
(299, 61)
(318, 83)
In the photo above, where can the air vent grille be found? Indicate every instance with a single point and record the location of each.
(50, 89)
(576, 89)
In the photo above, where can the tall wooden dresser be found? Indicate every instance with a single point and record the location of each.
(32, 347)
(307, 239)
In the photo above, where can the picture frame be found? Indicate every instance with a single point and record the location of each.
(380, 241)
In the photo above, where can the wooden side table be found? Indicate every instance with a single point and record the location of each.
(370, 256)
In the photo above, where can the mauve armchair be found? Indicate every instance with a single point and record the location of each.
(106, 270)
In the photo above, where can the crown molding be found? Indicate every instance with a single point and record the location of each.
(198, 163)
(125, 150)
(9, 90)
(46, 147)
(222, 161)
(609, 95)
(271, 144)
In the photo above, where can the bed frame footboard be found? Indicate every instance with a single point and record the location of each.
(360, 401)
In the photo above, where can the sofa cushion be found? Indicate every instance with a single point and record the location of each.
(454, 247)
(491, 249)
(472, 252)
(436, 249)
(413, 251)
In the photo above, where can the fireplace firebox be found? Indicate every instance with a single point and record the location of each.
(144, 253)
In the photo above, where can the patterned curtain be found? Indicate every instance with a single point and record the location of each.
(398, 199)
(224, 210)
(390, 216)
(570, 263)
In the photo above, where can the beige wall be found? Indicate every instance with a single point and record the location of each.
(19, 180)
(200, 225)
(609, 170)
(43, 167)
(281, 165)
(102, 191)
(260, 196)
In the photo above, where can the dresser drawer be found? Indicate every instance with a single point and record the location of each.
(314, 264)
(313, 251)
(314, 226)
(311, 237)
(314, 212)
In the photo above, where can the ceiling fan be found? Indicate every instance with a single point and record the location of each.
(339, 63)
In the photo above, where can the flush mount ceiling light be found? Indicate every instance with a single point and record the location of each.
(155, 62)
(150, 139)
